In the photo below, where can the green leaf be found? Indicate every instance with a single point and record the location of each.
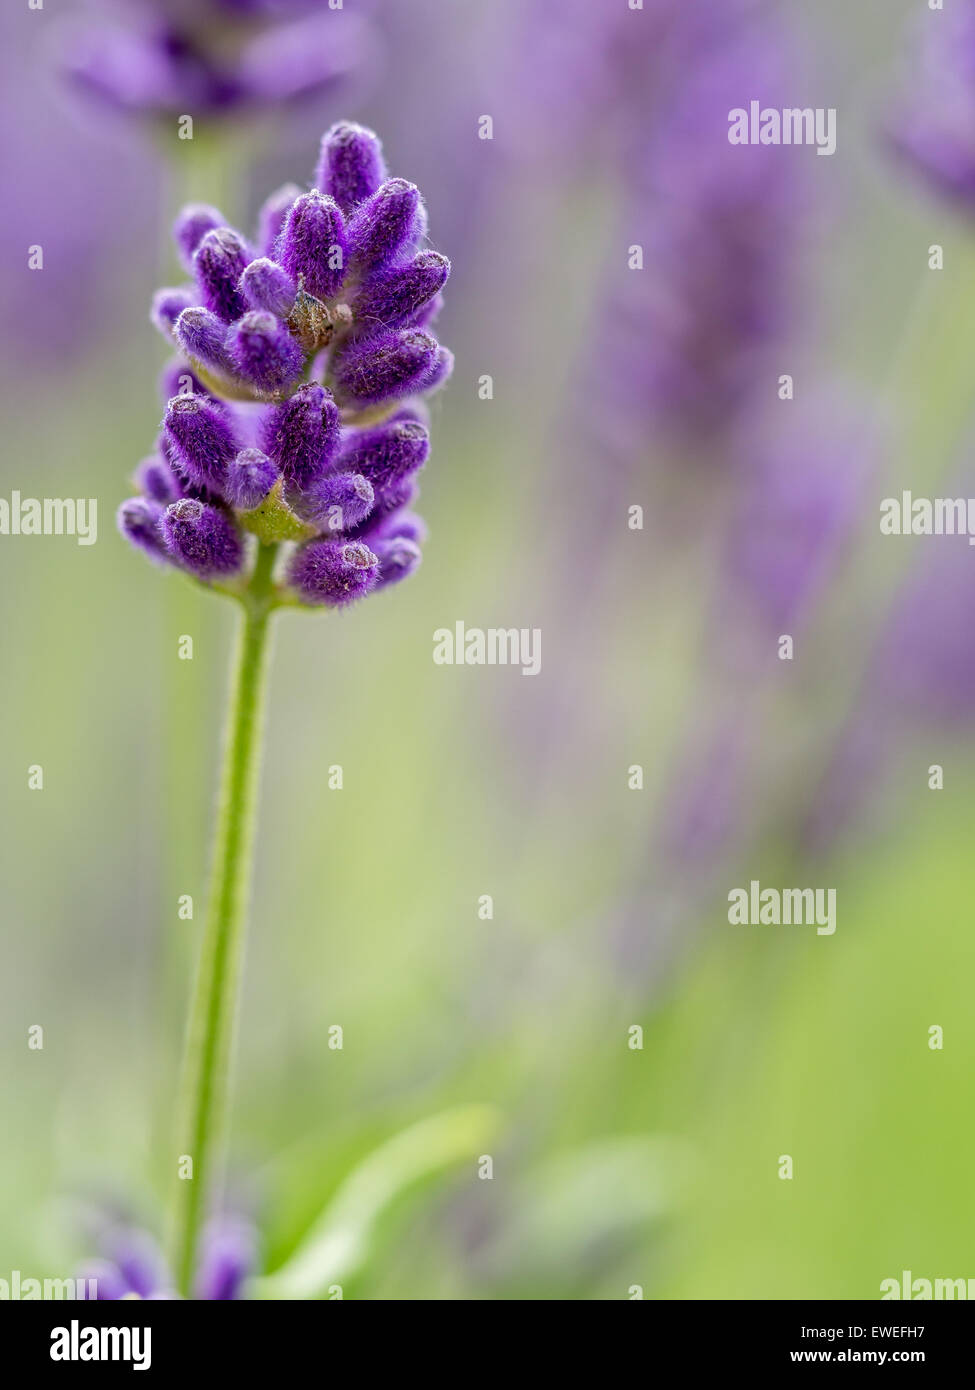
(339, 1242)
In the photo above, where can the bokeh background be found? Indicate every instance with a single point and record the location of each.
(614, 388)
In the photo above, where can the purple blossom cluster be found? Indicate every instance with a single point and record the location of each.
(219, 57)
(294, 410)
(133, 1265)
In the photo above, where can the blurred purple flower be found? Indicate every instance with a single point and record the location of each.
(214, 57)
(933, 128)
(133, 1265)
(920, 674)
(683, 341)
(802, 480)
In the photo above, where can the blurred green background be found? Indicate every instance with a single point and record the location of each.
(613, 1167)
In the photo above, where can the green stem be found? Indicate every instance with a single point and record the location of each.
(203, 1099)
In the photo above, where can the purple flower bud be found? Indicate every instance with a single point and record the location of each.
(337, 502)
(192, 225)
(219, 263)
(398, 558)
(201, 334)
(168, 304)
(177, 378)
(400, 525)
(302, 435)
(138, 1258)
(387, 510)
(313, 244)
(156, 479)
(333, 572)
(228, 1256)
(266, 286)
(387, 453)
(385, 225)
(380, 368)
(138, 520)
(107, 1278)
(270, 219)
(203, 437)
(440, 370)
(429, 313)
(263, 352)
(351, 165)
(396, 297)
(250, 478)
(202, 538)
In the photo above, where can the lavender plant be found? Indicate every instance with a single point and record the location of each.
(284, 475)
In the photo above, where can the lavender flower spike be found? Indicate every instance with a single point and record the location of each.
(296, 412)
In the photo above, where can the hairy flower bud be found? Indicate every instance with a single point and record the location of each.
(351, 165)
(263, 352)
(333, 572)
(273, 212)
(390, 505)
(156, 479)
(203, 439)
(219, 262)
(203, 335)
(338, 501)
(371, 370)
(138, 520)
(202, 538)
(398, 557)
(302, 435)
(385, 225)
(168, 304)
(192, 225)
(250, 478)
(396, 297)
(399, 525)
(266, 286)
(313, 246)
(386, 453)
(441, 369)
